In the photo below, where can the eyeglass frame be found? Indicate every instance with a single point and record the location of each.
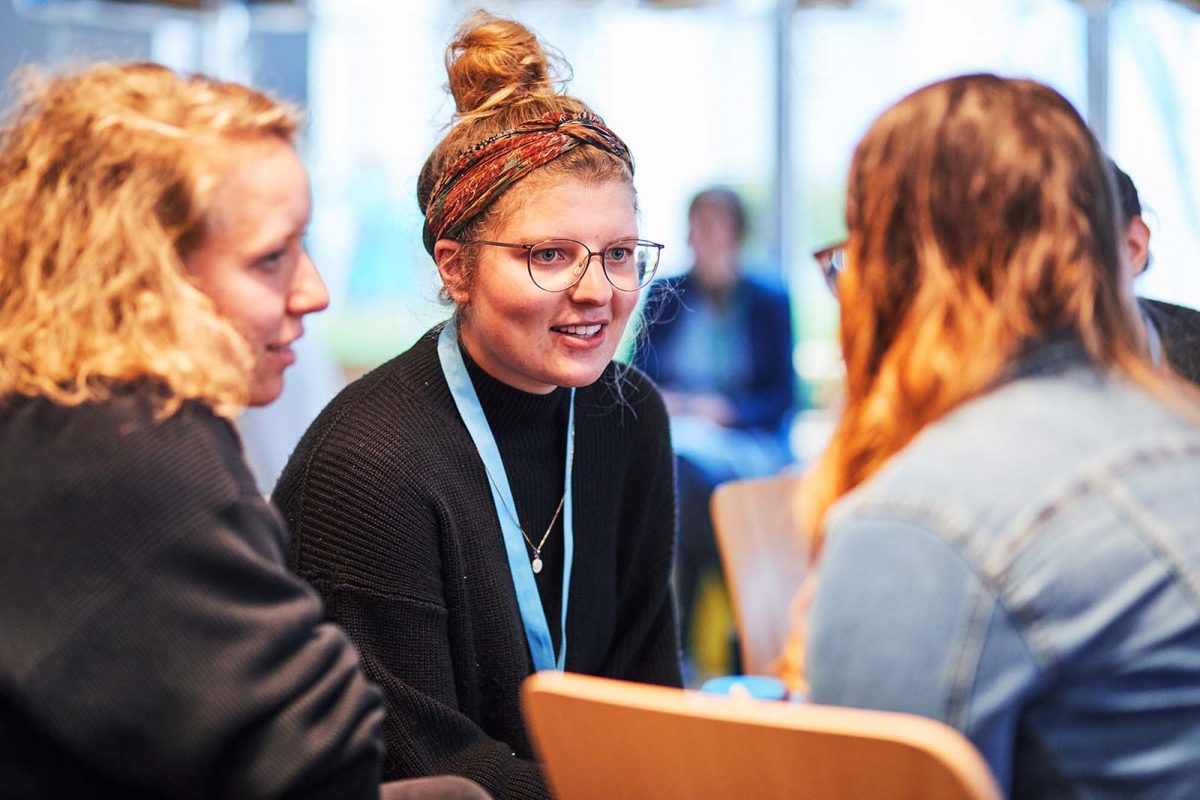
(830, 265)
(528, 248)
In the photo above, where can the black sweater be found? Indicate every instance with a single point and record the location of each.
(152, 642)
(393, 522)
(1179, 329)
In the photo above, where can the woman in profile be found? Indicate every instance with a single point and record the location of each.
(499, 498)
(1011, 502)
(152, 281)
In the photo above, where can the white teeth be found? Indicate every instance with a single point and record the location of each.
(580, 330)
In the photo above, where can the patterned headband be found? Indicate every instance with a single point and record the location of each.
(486, 170)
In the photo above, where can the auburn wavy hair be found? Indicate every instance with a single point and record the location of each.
(106, 178)
(982, 218)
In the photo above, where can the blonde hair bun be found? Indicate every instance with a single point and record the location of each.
(494, 62)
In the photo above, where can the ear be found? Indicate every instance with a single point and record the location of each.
(448, 255)
(1137, 243)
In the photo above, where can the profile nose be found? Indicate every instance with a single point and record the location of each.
(309, 293)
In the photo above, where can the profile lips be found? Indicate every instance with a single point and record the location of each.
(284, 345)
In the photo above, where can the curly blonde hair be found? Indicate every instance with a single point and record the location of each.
(106, 180)
(982, 218)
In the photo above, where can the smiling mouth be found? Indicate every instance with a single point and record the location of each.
(582, 331)
(279, 346)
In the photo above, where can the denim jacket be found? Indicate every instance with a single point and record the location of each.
(1027, 570)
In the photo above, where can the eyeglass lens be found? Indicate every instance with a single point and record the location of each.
(832, 261)
(558, 264)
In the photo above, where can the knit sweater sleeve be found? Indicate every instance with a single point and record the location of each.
(368, 533)
(647, 647)
(166, 645)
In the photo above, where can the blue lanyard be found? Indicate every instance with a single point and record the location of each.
(541, 646)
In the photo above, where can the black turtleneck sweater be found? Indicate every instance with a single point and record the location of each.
(393, 522)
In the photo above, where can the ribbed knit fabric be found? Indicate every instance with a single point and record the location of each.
(152, 642)
(393, 522)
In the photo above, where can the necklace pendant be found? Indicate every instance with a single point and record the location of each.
(537, 564)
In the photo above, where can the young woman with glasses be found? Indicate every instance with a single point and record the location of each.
(499, 498)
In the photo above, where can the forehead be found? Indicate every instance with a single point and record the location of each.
(570, 208)
(260, 183)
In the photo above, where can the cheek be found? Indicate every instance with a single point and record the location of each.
(228, 303)
(623, 304)
(257, 314)
(507, 306)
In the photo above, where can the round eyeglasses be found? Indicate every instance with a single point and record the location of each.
(832, 261)
(558, 264)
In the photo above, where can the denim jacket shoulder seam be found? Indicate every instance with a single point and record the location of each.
(1154, 534)
(1014, 538)
(993, 561)
(956, 530)
(989, 596)
(958, 693)
(953, 527)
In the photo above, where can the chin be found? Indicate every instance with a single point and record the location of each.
(258, 401)
(578, 378)
(263, 393)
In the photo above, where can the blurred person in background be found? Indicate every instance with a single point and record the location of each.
(500, 498)
(153, 282)
(1010, 506)
(1172, 331)
(718, 342)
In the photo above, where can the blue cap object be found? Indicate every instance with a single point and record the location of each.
(759, 687)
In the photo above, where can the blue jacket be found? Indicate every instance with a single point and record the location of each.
(1027, 569)
(765, 401)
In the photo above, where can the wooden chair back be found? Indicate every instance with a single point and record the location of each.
(601, 739)
(764, 557)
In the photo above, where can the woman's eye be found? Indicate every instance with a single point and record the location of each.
(548, 255)
(617, 254)
(274, 260)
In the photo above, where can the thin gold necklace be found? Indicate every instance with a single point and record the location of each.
(536, 562)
